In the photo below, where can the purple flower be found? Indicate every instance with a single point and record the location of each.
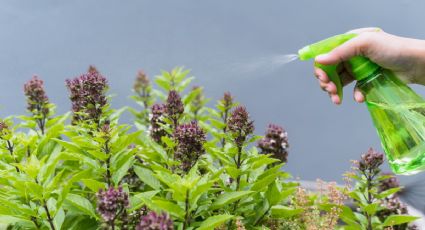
(227, 101)
(389, 183)
(275, 142)
(111, 202)
(190, 139)
(87, 94)
(156, 120)
(36, 97)
(392, 206)
(174, 106)
(240, 125)
(154, 221)
(142, 85)
(371, 161)
(4, 129)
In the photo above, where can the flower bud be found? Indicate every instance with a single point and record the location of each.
(154, 221)
(275, 142)
(240, 125)
(190, 139)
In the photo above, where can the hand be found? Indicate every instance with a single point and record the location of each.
(404, 56)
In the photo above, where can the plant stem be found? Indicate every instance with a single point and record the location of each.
(108, 164)
(369, 198)
(49, 218)
(262, 217)
(10, 148)
(238, 166)
(34, 220)
(41, 122)
(225, 115)
(187, 215)
(238, 181)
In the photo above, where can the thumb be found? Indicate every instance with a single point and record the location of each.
(354, 47)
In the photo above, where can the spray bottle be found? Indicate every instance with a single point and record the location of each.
(398, 113)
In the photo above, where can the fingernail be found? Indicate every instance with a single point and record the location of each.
(335, 99)
(321, 57)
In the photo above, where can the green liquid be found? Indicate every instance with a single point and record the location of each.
(402, 131)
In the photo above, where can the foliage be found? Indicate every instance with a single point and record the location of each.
(372, 193)
(182, 165)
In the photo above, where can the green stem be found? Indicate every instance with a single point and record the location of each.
(187, 215)
(10, 148)
(49, 218)
(108, 164)
(225, 115)
(46, 209)
(238, 181)
(262, 217)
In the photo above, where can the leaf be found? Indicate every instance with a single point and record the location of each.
(279, 211)
(228, 198)
(59, 218)
(371, 208)
(274, 196)
(264, 182)
(388, 192)
(82, 204)
(137, 200)
(198, 191)
(94, 185)
(122, 170)
(7, 220)
(147, 177)
(49, 167)
(398, 219)
(170, 207)
(347, 215)
(69, 146)
(163, 83)
(214, 221)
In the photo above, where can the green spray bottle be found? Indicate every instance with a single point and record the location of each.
(398, 113)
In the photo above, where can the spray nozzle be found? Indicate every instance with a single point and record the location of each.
(361, 67)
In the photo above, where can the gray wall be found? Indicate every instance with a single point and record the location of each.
(59, 39)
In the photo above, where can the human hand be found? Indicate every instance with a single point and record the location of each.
(404, 56)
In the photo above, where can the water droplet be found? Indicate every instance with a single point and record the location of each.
(264, 64)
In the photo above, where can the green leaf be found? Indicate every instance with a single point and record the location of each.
(82, 204)
(264, 182)
(139, 199)
(398, 219)
(214, 221)
(274, 196)
(371, 208)
(122, 169)
(94, 185)
(147, 177)
(198, 191)
(59, 219)
(228, 198)
(7, 220)
(170, 207)
(69, 146)
(347, 215)
(279, 211)
(388, 192)
(163, 83)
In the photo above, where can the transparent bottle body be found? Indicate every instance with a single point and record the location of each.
(398, 114)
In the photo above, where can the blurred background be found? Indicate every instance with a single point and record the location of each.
(222, 42)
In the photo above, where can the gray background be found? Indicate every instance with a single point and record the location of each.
(216, 39)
